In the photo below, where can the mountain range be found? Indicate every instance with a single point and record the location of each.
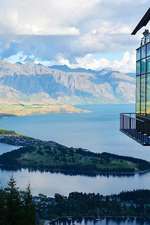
(38, 84)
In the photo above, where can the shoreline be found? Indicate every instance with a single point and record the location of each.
(84, 162)
(38, 109)
(73, 173)
(95, 219)
(79, 206)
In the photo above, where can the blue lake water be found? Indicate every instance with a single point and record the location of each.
(6, 148)
(97, 131)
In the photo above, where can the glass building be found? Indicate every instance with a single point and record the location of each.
(143, 76)
(137, 125)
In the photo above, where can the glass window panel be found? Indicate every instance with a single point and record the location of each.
(137, 94)
(147, 39)
(143, 66)
(148, 94)
(143, 52)
(148, 65)
(138, 67)
(143, 94)
(148, 49)
(138, 54)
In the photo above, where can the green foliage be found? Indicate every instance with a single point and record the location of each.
(82, 205)
(7, 132)
(51, 156)
(16, 208)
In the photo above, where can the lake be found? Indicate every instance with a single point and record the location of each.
(97, 131)
(110, 221)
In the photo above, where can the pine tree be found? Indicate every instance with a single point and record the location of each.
(16, 208)
(30, 216)
(3, 211)
(13, 203)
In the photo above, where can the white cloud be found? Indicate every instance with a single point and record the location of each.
(88, 28)
(89, 61)
(43, 17)
(69, 16)
(108, 37)
(19, 57)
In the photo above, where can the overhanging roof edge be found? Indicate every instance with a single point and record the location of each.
(143, 22)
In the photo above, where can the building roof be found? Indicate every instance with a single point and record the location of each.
(143, 22)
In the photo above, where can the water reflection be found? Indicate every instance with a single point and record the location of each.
(106, 221)
(97, 131)
(51, 183)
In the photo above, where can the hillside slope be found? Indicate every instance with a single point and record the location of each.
(36, 83)
(51, 156)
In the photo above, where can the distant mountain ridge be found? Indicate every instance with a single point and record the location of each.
(36, 83)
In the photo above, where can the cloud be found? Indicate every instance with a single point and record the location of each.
(78, 30)
(37, 17)
(89, 61)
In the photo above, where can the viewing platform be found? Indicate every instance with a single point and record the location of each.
(136, 127)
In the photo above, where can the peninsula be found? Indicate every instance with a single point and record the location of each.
(50, 156)
(29, 109)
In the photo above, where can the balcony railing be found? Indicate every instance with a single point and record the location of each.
(135, 127)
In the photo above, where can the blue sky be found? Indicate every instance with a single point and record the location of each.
(79, 33)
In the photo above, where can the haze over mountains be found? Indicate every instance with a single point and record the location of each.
(38, 84)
